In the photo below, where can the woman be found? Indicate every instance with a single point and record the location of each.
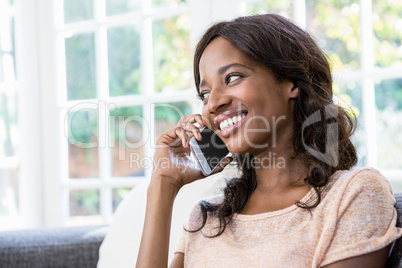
(309, 211)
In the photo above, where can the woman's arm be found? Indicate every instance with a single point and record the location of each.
(171, 170)
(154, 247)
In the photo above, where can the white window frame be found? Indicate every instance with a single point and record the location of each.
(28, 161)
(56, 181)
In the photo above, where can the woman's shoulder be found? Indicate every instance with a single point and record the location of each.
(364, 183)
(358, 178)
(359, 215)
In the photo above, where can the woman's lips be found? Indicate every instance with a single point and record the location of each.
(230, 130)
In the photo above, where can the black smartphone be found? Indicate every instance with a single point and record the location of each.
(209, 152)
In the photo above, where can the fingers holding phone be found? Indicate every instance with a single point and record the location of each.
(190, 136)
(208, 151)
(172, 156)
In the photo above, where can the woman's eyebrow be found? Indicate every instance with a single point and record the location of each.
(223, 69)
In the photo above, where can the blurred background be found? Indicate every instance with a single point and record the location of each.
(87, 85)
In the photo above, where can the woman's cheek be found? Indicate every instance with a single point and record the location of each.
(205, 116)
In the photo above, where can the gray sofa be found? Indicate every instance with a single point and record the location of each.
(75, 247)
(78, 247)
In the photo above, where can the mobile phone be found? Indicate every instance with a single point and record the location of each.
(209, 152)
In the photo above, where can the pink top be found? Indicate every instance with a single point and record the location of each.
(355, 216)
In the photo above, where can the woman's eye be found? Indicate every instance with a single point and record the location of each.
(232, 78)
(203, 95)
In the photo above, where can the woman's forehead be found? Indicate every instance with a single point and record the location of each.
(221, 52)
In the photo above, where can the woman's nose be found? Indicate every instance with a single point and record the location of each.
(217, 100)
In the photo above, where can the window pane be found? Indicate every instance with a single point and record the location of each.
(171, 3)
(124, 60)
(117, 195)
(77, 10)
(335, 24)
(114, 7)
(80, 67)
(12, 65)
(171, 46)
(281, 7)
(168, 114)
(388, 95)
(7, 52)
(126, 126)
(82, 147)
(1, 67)
(84, 207)
(9, 193)
(9, 133)
(387, 26)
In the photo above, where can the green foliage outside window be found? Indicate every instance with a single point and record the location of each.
(80, 67)
(387, 26)
(171, 52)
(124, 60)
(8, 120)
(172, 115)
(78, 10)
(283, 7)
(84, 202)
(84, 126)
(335, 24)
(122, 114)
(157, 3)
(115, 7)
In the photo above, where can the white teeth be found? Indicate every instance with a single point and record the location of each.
(231, 121)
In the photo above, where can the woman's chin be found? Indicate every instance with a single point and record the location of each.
(237, 150)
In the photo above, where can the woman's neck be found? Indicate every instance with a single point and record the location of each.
(277, 170)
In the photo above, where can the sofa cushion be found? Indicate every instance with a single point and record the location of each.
(51, 247)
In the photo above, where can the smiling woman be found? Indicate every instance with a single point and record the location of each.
(266, 89)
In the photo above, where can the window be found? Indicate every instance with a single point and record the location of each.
(123, 66)
(122, 76)
(9, 134)
(100, 80)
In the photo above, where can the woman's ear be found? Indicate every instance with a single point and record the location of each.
(294, 92)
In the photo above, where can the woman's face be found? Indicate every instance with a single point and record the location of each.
(243, 103)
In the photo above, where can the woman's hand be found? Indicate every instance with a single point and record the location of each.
(172, 161)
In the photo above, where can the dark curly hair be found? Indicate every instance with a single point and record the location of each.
(290, 53)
